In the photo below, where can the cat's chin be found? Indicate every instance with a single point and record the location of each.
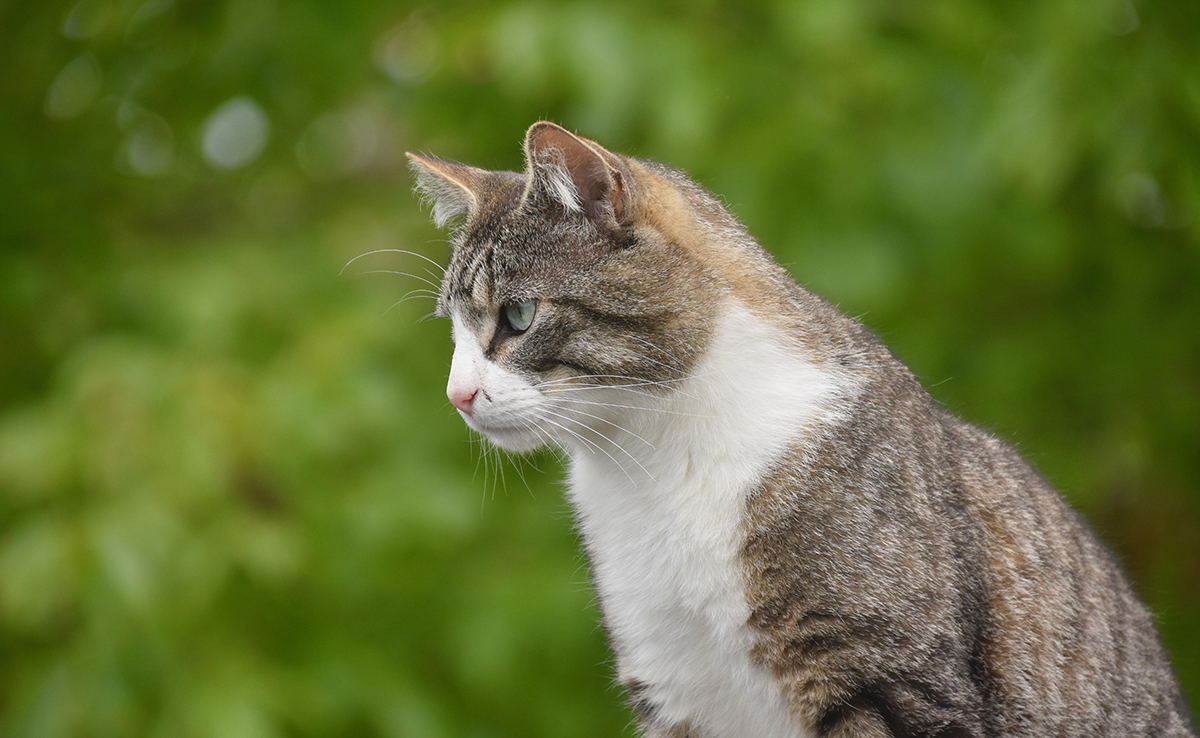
(517, 440)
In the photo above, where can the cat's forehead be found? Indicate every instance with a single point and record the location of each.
(515, 255)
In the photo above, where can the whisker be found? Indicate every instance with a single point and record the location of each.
(531, 460)
(473, 438)
(435, 285)
(675, 366)
(521, 459)
(499, 468)
(412, 295)
(552, 444)
(632, 387)
(484, 455)
(629, 382)
(516, 461)
(613, 376)
(581, 438)
(593, 444)
(620, 428)
(674, 360)
(633, 381)
(616, 445)
(395, 251)
(662, 410)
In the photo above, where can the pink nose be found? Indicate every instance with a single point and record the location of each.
(463, 398)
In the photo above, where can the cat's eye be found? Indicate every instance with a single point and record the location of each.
(520, 315)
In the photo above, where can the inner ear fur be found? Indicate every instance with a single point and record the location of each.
(578, 173)
(451, 189)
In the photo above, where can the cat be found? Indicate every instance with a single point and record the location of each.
(787, 536)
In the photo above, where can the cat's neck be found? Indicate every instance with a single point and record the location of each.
(755, 394)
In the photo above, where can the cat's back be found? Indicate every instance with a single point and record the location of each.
(946, 589)
(1068, 649)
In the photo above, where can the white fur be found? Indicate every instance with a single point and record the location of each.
(552, 170)
(659, 493)
(447, 199)
(501, 408)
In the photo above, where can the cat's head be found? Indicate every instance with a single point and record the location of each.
(574, 294)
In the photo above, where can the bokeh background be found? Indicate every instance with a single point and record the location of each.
(234, 501)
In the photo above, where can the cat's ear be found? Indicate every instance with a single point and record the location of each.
(450, 188)
(579, 174)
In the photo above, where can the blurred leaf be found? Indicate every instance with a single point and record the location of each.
(233, 498)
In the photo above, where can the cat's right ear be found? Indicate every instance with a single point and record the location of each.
(451, 189)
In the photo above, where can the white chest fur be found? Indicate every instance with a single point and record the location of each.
(663, 535)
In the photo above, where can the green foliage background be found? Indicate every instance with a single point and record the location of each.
(233, 499)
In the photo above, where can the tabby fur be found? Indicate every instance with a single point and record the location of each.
(787, 535)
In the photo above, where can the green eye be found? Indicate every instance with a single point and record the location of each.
(520, 315)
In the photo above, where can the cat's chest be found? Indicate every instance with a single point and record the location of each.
(665, 565)
(663, 534)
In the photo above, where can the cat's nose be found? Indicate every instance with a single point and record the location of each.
(463, 397)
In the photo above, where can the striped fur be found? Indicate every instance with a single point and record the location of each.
(787, 536)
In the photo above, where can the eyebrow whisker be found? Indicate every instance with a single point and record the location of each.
(394, 251)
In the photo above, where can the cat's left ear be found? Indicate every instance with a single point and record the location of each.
(577, 173)
(452, 189)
